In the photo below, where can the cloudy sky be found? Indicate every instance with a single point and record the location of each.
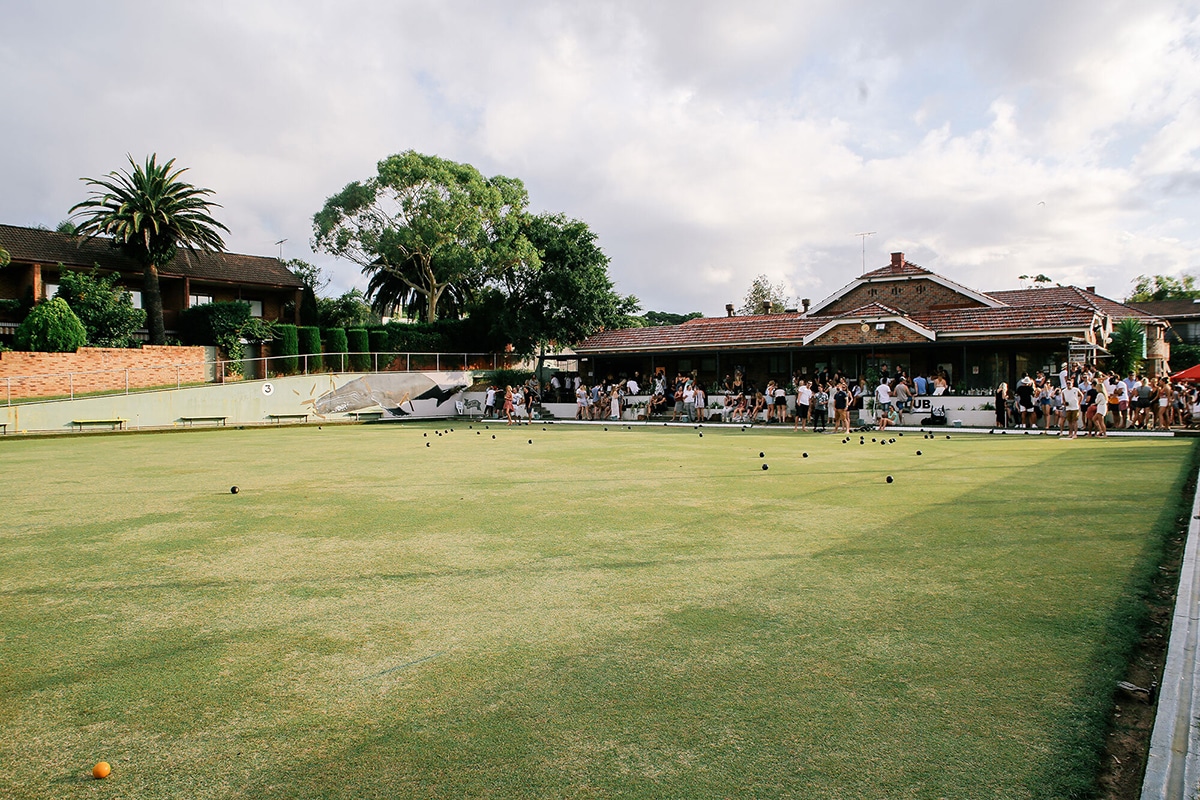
(704, 142)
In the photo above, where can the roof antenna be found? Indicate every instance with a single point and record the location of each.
(280, 243)
(864, 236)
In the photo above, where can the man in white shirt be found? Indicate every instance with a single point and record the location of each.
(632, 386)
(489, 403)
(883, 399)
(803, 401)
(1072, 397)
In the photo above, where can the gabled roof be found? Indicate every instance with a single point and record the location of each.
(37, 246)
(1069, 294)
(898, 268)
(872, 312)
(902, 270)
(705, 332)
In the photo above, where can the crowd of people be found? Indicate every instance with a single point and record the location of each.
(1083, 399)
(1093, 401)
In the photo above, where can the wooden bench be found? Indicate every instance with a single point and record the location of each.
(114, 424)
(361, 415)
(190, 421)
(280, 417)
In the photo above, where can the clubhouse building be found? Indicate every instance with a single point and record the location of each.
(900, 315)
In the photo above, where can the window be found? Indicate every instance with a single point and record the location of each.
(199, 300)
(896, 290)
(255, 308)
(137, 297)
(872, 292)
(51, 289)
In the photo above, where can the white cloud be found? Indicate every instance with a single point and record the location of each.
(704, 142)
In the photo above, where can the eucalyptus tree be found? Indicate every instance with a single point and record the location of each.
(150, 213)
(433, 225)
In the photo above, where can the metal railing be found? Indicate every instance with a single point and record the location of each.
(131, 380)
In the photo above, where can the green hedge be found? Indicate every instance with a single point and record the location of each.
(310, 344)
(288, 347)
(51, 327)
(360, 344)
(379, 340)
(335, 350)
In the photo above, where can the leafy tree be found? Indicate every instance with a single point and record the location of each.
(433, 224)
(5, 258)
(51, 327)
(566, 295)
(1184, 356)
(1148, 288)
(654, 319)
(149, 213)
(67, 227)
(761, 291)
(314, 279)
(1127, 345)
(105, 309)
(351, 310)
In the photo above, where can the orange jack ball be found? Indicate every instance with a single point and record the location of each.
(101, 770)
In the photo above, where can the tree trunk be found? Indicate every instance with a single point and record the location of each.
(152, 303)
(431, 303)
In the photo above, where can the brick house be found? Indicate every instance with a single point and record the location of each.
(192, 278)
(899, 315)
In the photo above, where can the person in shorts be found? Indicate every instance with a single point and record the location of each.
(804, 395)
(1072, 399)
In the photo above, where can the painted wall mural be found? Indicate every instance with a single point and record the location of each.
(395, 394)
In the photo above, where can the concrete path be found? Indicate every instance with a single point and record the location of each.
(1173, 766)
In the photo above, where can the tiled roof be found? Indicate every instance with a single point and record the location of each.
(1068, 294)
(1021, 318)
(714, 332)
(1171, 309)
(894, 270)
(33, 245)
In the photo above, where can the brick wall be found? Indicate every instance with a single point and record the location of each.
(95, 369)
(895, 333)
(911, 296)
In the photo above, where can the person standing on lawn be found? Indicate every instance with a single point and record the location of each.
(1072, 398)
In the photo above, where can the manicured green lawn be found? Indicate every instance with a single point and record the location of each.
(622, 613)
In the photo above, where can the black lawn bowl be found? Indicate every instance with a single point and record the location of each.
(233, 490)
(889, 478)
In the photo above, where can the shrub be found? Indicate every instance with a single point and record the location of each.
(288, 348)
(506, 377)
(105, 309)
(379, 340)
(335, 349)
(310, 345)
(360, 344)
(51, 327)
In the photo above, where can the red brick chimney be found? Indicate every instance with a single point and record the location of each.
(897, 259)
(1091, 289)
(729, 309)
(766, 306)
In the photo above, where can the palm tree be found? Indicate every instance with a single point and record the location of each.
(149, 213)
